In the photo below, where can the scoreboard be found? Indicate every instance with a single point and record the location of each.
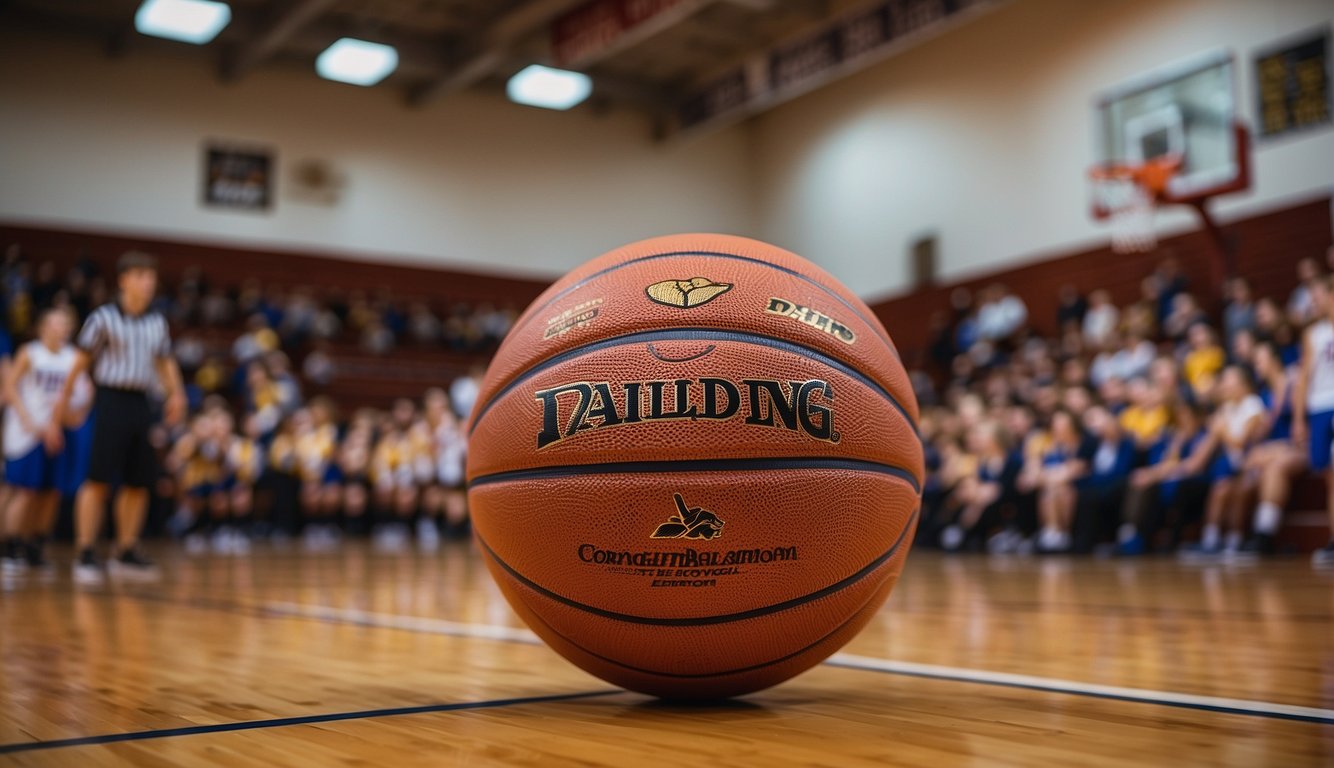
(1293, 85)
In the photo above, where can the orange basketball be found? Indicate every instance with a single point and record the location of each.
(694, 468)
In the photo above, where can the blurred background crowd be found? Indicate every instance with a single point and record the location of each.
(265, 451)
(1166, 424)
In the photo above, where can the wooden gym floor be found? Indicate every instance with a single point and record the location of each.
(363, 659)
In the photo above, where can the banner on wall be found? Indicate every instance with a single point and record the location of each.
(596, 26)
(238, 178)
(1292, 84)
(814, 59)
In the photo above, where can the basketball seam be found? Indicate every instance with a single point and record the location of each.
(724, 673)
(764, 464)
(700, 621)
(692, 334)
(873, 323)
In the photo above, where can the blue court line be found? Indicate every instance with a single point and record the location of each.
(250, 725)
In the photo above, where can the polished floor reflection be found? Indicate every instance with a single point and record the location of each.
(357, 658)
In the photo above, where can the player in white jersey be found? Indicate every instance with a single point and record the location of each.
(33, 439)
(1313, 405)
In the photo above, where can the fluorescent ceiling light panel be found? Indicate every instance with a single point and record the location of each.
(540, 86)
(190, 21)
(357, 62)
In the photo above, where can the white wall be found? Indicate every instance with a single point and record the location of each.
(984, 136)
(90, 142)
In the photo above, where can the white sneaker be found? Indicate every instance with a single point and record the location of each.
(951, 538)
(240, 544)
(312, 539)
(1052, 540)
(391, 537)
(88, 572)
(1003, 543)
(428, 535)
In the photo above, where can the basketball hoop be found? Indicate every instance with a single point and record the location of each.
(1128, 195)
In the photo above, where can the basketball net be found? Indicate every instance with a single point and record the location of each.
(1130, 195)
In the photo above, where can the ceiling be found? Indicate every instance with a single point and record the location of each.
(448, 45)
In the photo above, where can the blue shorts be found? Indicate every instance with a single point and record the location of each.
(73, 461)
(1223, 467)
(1321, 430)
(35, 470)
(333, 475)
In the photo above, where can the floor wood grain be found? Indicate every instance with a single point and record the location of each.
(357, 658)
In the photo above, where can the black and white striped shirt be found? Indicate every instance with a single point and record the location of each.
(124, 348)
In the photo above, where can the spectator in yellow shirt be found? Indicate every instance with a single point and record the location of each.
(1204, 358)
(1147, 415)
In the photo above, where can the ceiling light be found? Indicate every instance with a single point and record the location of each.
(540, 86)
(357, 62)
(190, 21)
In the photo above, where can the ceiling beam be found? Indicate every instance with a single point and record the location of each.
(268, 37)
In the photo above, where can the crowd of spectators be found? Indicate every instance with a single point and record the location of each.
(1125, 429)
(1121, 432)
(263, 451)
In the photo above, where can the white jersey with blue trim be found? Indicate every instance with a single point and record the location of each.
(39, 390)
(1320, 389)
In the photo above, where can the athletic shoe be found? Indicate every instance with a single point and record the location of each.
(32, 552)
(391, 537)
(1250, 550)
(1324, 556)
(87, 570)
(1132, 547)
(1004, 542)
(240, 543)
(951, 538)
(196, 543)
(1240, 555)
(1257, 545)
(1052, 541)
(11, 557)
(132, 566)
(428, 535)
(1199, 553)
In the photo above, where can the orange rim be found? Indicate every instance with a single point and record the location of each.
(1153, 176)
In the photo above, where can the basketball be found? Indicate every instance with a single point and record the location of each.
(694, 467)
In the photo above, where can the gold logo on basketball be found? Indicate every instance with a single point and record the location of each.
(686, 294)
(689, 523)
(814, 318)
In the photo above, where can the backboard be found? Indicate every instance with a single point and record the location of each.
(1186, 110)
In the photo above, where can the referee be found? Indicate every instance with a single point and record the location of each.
(129, 350)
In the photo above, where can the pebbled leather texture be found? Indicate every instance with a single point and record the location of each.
(789, 524)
